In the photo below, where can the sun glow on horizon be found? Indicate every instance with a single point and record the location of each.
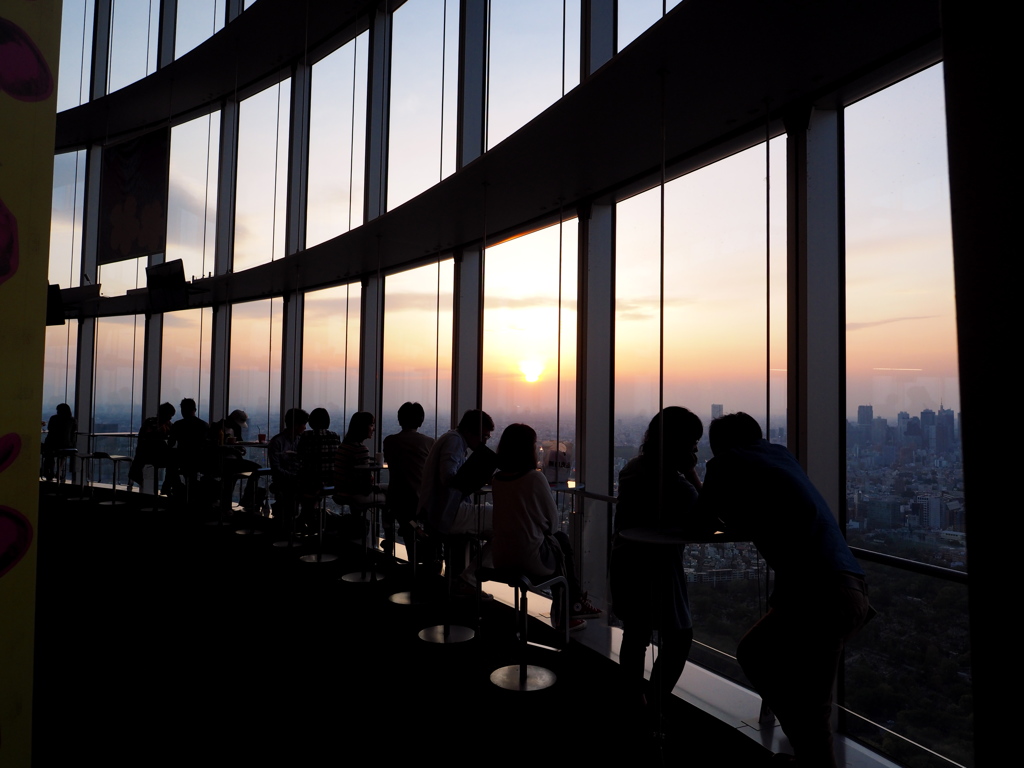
(531, 369)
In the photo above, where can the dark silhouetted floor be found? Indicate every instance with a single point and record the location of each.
(160, 639)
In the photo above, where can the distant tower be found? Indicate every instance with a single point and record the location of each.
(717, 410)
(865, 415)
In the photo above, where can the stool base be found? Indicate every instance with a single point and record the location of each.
(446, 634)
(526, 677)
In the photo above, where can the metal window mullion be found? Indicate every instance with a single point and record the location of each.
(375, 197)
(101, 47)
(168, 32)
(471, 138)
(595, 376)
(597, 35)
(467, 326)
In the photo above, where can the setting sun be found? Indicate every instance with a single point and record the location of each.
(532, 369)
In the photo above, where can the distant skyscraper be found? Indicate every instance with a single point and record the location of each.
(717, 410)
(865, 415)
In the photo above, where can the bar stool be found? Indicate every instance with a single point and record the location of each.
(154, 507)
(113, 501)
(524, 676)
(319, 556)
(61, 457)
(406, 597)
(264, 510)
(447, 633)
(84, 465)
(371, 504)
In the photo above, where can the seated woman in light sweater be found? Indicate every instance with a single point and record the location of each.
(526, 532)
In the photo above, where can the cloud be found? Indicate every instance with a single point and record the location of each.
(886, 321)
(646, 307)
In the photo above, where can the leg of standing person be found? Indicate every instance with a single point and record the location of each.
(791, 656)
(673, 651)
(632, 655)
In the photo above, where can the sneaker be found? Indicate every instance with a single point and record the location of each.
(584, 609)
(575, 625)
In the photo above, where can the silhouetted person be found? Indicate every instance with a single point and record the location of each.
(187, 439)
(406, 454)
(226, 459)
(152, 447)
(448, 481)
(282, 453)
(352, 475)
(657, 490)
(450, 477)
(527, 536)
(317, 448)
(61, 433)
(760, 493)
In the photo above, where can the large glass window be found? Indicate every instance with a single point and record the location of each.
(418, 313)
(75, 71)
(197, 20)
(907, 676)
(59, 367)
(907, 687)
(905, 491)
(134, 35)
(424, 90)
(117, 388)
(255, 364)
(534, 60)
(185, 357)
(635, 16)
(261, 199)
(330, 352)
(337, 142)
(66, 219)
(119, 277)
(529, 356)
(712, 339)
(192, 194)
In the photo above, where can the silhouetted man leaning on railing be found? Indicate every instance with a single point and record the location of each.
(760, 493)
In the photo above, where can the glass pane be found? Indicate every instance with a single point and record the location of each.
(66, 219)
(529, 357)
(192, 194)
(134, 31)
(635, 16)
(724, 314)
(908, 672)
(75, 71)
(330, 352)
(424, 106)
(185, 357)
(255, 366)
(118, 278)
(418, 314)
(724, 304)
(534, 61)
(905, 491)
(59, 367)
(117, 388)
(337, 142)
(261, 200)
(197, 20)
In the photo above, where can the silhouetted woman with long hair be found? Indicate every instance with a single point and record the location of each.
(657, 490)
(527, 536)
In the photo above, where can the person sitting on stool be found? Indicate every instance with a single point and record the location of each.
(527, 537)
